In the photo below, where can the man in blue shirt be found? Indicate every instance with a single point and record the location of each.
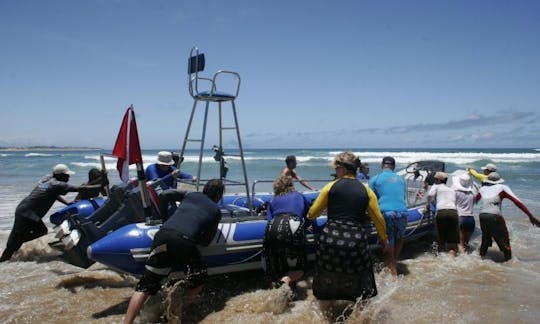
(165, 170)
(390, 189)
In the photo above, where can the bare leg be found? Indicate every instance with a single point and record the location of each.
(292, 276)
(135, 304)
(451, 247)
(397, 249)
(391, 262)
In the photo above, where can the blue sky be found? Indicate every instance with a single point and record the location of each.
(333, 74)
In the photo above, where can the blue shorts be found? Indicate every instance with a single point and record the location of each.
(396, 223)
(467, 223)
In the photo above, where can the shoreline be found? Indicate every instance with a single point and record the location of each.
(52, 148)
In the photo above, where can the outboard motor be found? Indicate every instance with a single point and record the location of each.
(123, 207)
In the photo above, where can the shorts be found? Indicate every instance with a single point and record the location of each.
(396, 223)
(172, 250)
(447, 221)
(283, 250)
(467, 224)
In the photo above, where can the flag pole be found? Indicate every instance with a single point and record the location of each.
(104, 170)
(144, 191)
(128, 150)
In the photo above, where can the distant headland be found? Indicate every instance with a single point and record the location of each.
(48, 148)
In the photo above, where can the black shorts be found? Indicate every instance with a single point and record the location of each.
(284, 250)
(447, 221)
(171, 250)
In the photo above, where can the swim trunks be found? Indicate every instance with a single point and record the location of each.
(396, 223)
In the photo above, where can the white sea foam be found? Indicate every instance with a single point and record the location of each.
(40, 154)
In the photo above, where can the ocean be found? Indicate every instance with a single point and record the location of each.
(37, 287)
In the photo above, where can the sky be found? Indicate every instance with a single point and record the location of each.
(314, 74)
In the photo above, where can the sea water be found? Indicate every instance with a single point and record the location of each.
(37, 287)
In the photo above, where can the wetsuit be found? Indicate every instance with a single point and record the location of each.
(194, 223)
(344, 269)
(28, 224)
(284, 240)
(446, 219)
(153, 172)
(492, 222)
(390, 190)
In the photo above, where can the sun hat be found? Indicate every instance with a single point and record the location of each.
(462, 182)
(440, 175)
(494, 178)
(62, 169)
(490, 166)
(165, 158)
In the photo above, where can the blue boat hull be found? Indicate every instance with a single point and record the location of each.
(237, 245)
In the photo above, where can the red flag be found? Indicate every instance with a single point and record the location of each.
(127, 148)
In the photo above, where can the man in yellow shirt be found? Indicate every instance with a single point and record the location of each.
(486, 170)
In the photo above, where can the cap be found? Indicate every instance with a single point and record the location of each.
(440, 175)
(494, 178)
(165, 158)
(388, 160)
(62, 169)
(490, 167)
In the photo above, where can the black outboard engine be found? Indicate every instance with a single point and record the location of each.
(123, 207)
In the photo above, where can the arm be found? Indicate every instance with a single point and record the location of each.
(321, 202)
(375, 215)
(151, 172)
(297, 177)
(168, 196)
(431, 196)
(62, 200)
(209, 235)
(478, 176)
(520, 205)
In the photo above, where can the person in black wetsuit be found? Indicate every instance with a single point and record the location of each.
(194, 222)
(343, 268)
(28, 223)
(284, 240)
(95, 176)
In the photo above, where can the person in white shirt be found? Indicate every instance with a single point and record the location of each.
(492, 222)
(446, 219)
(462, 185)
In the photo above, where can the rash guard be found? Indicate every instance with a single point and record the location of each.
(491, 197)
(348, 199)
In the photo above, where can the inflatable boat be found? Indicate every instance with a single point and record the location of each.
(237, 245)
